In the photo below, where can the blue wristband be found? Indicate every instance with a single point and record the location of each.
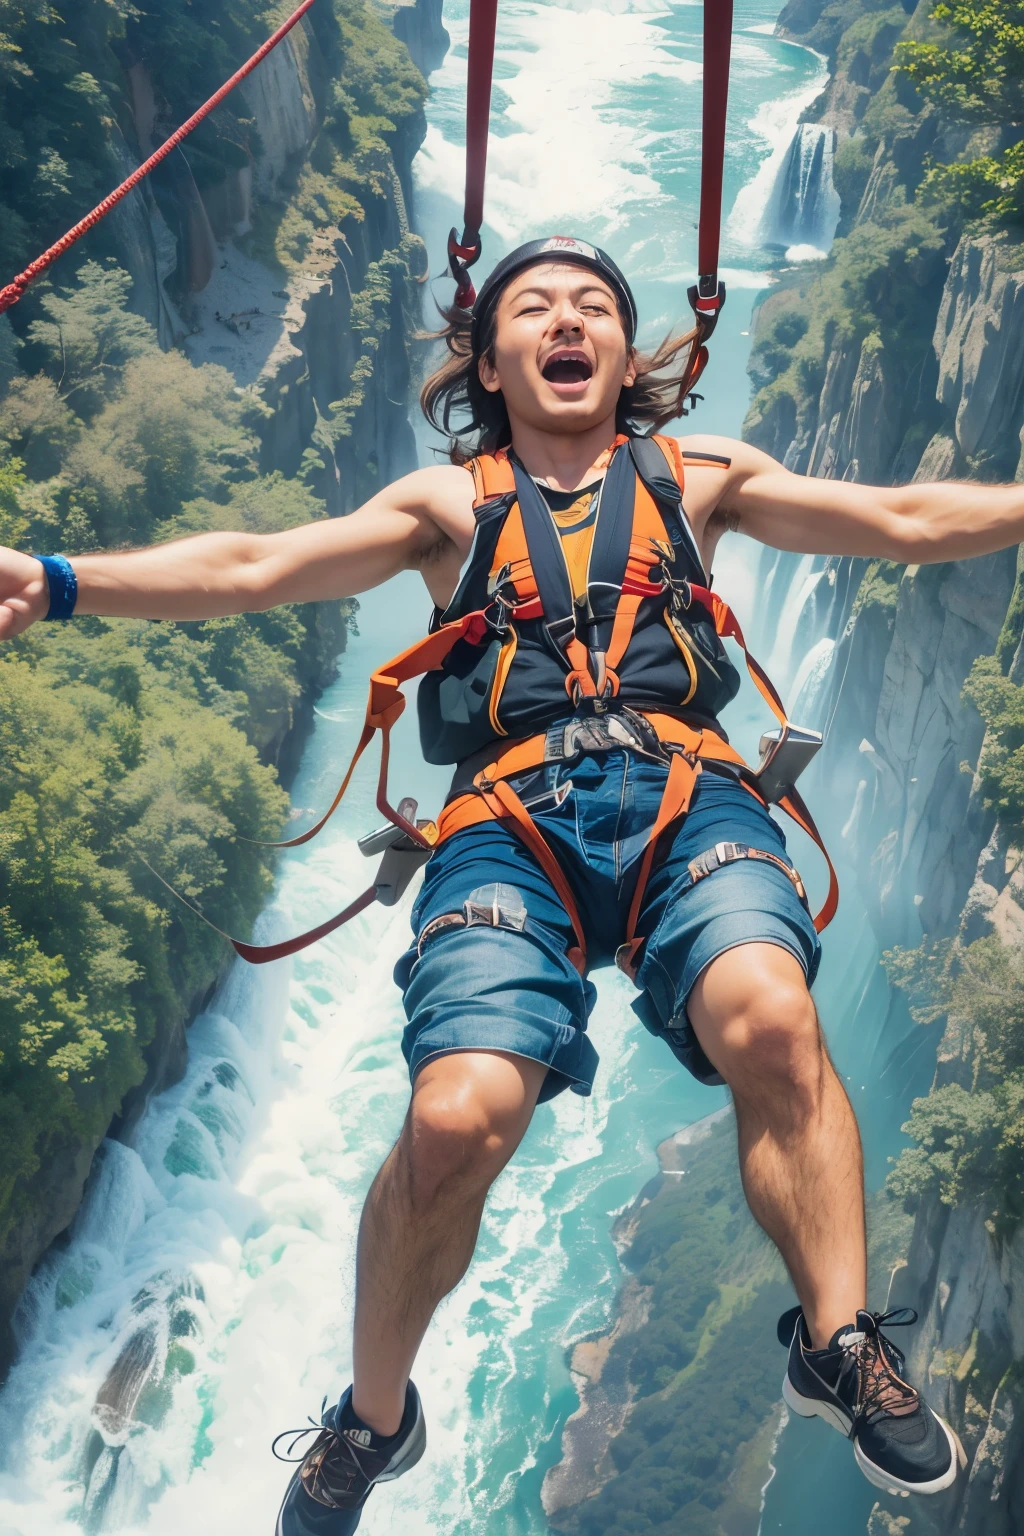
(63, 585)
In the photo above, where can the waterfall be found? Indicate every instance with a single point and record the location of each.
(802, 210)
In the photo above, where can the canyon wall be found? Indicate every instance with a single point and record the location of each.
(303, 283)
(916, 377)
(896, 361)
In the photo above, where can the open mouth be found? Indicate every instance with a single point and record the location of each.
(568, 368)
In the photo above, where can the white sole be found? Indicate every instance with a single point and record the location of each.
(813, 1408)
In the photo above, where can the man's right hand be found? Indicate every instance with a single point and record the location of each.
(24, 593)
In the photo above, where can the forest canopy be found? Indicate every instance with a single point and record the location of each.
(124, 741)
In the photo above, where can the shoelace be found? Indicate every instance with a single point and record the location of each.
(297, 1434)
(316, 1486)
(881, 1389)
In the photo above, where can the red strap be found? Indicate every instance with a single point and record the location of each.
(483, 20)
(14, 290)
(260, 954)
(717, 50)
(385, 704)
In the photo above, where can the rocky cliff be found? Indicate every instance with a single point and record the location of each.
(916, 375)
(281, 250)
(899, 360)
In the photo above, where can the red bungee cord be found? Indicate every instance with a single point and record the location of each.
(708, 295)
(483, 19)
(14, 289)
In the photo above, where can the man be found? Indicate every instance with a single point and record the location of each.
(495, 986)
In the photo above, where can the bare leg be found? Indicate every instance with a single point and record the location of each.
(468, 1114)
(799, 1147)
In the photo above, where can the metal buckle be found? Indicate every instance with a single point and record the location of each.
(597, 733)
(548, 799)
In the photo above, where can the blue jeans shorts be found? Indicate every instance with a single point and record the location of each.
(489, 970)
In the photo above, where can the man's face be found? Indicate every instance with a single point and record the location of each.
(560, 352)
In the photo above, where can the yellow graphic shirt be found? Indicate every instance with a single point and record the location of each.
(574, 514)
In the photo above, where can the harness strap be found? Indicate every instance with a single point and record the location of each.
(501, 802)
(384, 706)
(729, 853)
(796, 810)
(493, 797)
(694, 744)
(675, 802)
(727, 625)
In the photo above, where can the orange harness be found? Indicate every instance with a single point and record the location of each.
(592, 682)
(493, 797)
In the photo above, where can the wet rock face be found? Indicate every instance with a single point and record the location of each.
(420, 28)
(281, 96)
(979, 339)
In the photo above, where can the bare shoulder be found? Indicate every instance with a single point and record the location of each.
(443, 494)
(716, 470)
(743, 458)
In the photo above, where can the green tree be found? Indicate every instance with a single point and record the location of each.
(128, 747)
(975, 75)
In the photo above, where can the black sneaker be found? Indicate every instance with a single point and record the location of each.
(336, 1475)
(857, 1385)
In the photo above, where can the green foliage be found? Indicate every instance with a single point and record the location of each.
(65, 112)
(125, 744)
(969, 1138)
(875, 290)
(988, 187)
(375, 93)
(978, 76)
(703, 1367)
(974, 75)
(879, 587)
(969, 1149)
(1001, 764)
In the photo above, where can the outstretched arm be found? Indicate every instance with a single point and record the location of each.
(220, 573)
(914, 524)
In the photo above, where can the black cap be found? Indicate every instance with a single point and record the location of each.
(558, 248)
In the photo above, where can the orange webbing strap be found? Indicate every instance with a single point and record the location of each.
(794, 807)
(675, 802)
(493, 475)
(727, 624)
(502, 801)
(384, 705)
(518, 757)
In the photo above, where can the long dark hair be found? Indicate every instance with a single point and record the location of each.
(475, 421)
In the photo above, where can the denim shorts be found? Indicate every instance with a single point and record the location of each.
(488, 969)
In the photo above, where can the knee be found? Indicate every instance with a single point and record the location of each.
(772, 1052)
(454, 1139)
